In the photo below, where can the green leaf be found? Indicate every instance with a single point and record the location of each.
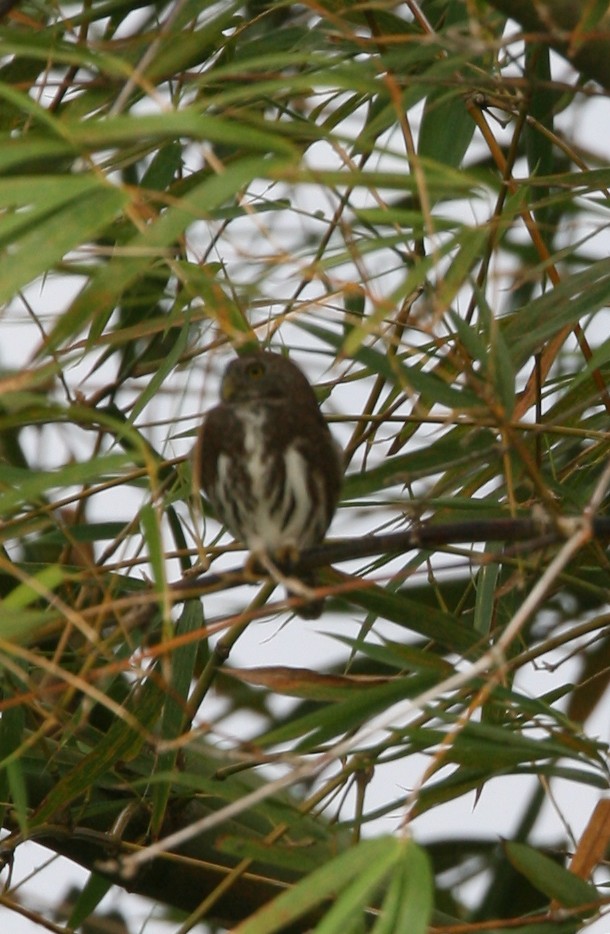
(182, 666)
(348, 880)
(46, 579)
(429, 384)
(470, 247)
(398, 655)
(409, 898)
(122, 741)
(580, 294)
(12, 783)
(549, 877)
(486, 588)
(18, 792)
(19, 625)
(470, 337)
(36, 484)
(502, 372)
(539, 129)
(94, 890)
(151, 531)
(188, 122)
(434, 624)
(40, 247)
(325, 723)
(461, 448)
(446, 128)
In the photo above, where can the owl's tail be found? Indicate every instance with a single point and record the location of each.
(312, 609)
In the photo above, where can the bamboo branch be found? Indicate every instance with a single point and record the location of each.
(539, 533)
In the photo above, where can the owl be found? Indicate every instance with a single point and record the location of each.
(267, 461)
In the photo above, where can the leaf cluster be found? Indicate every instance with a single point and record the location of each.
(399, 196)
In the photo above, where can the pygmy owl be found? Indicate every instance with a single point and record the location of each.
(267, 461)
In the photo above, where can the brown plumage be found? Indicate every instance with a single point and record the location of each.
(267, 461)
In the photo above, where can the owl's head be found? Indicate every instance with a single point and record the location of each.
(264, 375)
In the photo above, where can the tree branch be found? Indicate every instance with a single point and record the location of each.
(539, 533)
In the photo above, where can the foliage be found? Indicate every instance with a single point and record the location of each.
(402, 197)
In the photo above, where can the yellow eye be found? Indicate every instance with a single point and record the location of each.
(256, 370)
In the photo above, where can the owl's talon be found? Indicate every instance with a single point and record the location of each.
(292, 584)
(254, 565)
(287, 555)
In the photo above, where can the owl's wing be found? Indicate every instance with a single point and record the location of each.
(221, 433)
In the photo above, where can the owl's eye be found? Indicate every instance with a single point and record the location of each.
(256, 370)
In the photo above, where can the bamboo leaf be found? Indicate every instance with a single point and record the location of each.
(40, 247)
(355, 873)
(550, 877)
(409, 898)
